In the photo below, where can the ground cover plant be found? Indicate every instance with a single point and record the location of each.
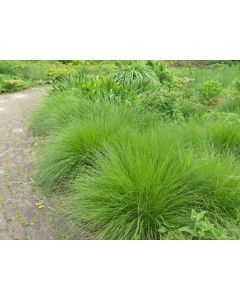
(142, 149)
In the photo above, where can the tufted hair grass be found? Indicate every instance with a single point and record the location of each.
(135, 189)
(56, 111)
(230, 105)
(147, 185)
(67, 150)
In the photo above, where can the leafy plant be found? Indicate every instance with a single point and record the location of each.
(202, 229)
(134, 72)
(209, 89)
(162, 101)
(10, 84)
(8, 68)
(162, 71)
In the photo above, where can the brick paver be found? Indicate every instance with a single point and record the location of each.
(24, 212)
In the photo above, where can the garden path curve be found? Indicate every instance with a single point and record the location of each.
(24, 212)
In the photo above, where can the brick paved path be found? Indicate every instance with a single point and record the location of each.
(24, 212)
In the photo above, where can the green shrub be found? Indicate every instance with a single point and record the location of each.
(170, 105)
(162, 101)
(182, 82)
(58, 72)
(10, 84)
(209, 89)
(163, 73)
(8, 67)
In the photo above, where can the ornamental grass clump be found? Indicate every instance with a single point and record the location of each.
(219, 179)
(54, 112)
(136, 189)
(224, 137)
(69, 149)
(231, 105)
(147, 186)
